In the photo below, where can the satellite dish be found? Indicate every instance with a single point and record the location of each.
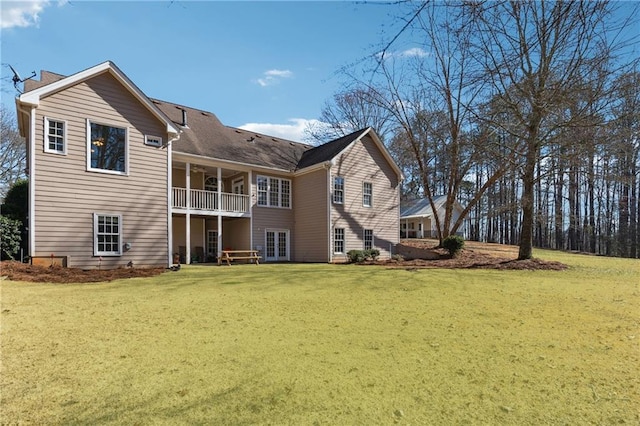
(17, 79)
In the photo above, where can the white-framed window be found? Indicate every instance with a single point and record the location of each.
(367, 194)
(338, 240)
(107, 148)
(263, 186)
(368, 239)
(107, 234)
(274, 192)
(338, 189)
(55, 136)
(153, 140)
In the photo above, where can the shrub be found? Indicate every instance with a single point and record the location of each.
(397, 257)
(9, 237)
(372, 253)
(356, 256)
(453, 243)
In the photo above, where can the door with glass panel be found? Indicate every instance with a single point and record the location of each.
(212, 245)
(277, 245)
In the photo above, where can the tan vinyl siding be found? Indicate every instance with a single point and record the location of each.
(310, 197)
(67, 195)
(270, 217)
(364, 162)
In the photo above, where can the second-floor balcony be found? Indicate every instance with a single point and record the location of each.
(208, 202)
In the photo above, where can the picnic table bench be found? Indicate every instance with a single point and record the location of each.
(230, 255)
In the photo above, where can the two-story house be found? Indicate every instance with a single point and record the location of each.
(117, 177)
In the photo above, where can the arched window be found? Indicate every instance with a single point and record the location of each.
(211, 184)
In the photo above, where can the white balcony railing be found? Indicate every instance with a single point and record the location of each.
(208, 201)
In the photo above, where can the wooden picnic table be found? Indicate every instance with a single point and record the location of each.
(230, 255)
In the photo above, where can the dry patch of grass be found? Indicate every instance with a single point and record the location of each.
(327, 344)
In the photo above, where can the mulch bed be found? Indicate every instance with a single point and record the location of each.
(16, 271)
(476, 255)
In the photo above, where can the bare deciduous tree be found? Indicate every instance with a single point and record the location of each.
(13, 151)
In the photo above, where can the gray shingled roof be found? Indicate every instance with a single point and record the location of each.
(327, 151)
(206, 136)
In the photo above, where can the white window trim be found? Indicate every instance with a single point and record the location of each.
(370, 194)
(155, 141)
(268, 191)
(95, 235)
(334, 190)
(344, 238)
(364, 239)
(46, 136)
(126, 148)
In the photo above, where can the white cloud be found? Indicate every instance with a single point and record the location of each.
(21, 13)
(294, 131)
(414, 52)
(272, 77)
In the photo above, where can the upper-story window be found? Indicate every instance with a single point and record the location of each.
(55, 136)
(367, 194)
(338, 190)
(107, 146)
(273, 192)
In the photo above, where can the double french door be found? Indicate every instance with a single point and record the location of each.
(277, 245)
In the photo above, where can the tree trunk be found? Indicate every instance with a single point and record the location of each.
(528, 181)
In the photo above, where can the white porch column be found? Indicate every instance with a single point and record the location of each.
(421, 227)
(187, 255)
(219, 177)
(250, 192)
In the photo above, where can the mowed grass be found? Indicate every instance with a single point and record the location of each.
(327, 344)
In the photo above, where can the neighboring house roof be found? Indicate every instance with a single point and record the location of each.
(203, 134)
(422, 207)
(58, 83)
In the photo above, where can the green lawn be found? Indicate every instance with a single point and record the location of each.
(327, 344)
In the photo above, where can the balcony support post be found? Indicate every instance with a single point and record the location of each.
(187, 259)
(219, 195)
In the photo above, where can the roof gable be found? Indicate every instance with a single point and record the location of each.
(34, 96)
(330, 150)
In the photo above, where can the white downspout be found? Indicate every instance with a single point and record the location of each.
(250, 191)
(187, 255)
(219, 178)
(329, 204)
(170, 200)
(32, 177)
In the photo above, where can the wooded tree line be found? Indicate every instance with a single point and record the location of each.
(527, 112)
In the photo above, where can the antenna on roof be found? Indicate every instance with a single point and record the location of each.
(17, 79)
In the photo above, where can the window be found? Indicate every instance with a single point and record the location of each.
(152, 140)
(338, 190)
(211, 184)
(55, 136)
(368, 239)
(274, 192)
(108, 148)
(263, 185)
(338, 240)
(367, 194)
(107, 235)
(238, 186)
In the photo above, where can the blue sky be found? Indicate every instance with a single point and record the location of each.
(269, 66)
